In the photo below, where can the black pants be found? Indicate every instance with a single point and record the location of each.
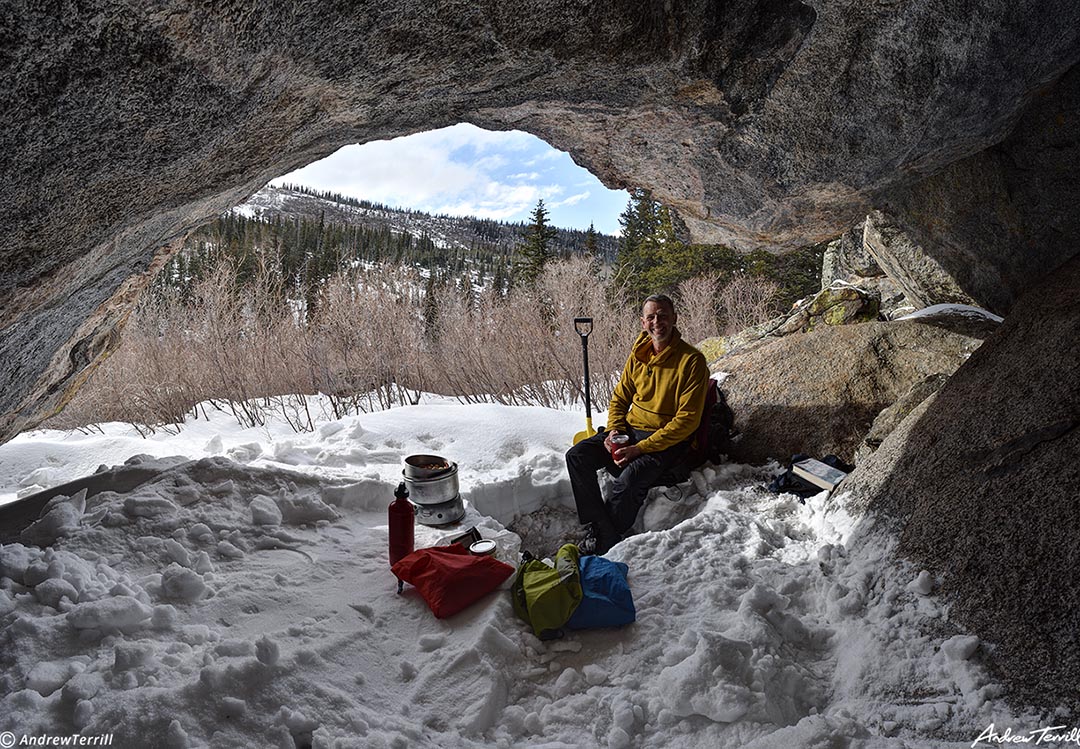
(632, 481)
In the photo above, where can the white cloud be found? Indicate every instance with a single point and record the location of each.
(500, 201)
(549, 155)
(463, 134)
(421, 171)
(459, 170)
(572, 200)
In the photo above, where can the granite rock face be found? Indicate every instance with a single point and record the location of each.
(998, 220)
(924, 281)
(840, 304)
(763, 123)
(848, 257)
(891, 417)
(980, 482)
(819, 392)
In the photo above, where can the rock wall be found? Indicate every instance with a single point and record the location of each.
(981, 480)
(819, 392)
(846, 258)
(998, 220)
(923, 280)
(764, 123)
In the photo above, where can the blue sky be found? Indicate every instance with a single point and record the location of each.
(465, 171)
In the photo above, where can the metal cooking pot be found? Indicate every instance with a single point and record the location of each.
(427, 466)
(433, 489)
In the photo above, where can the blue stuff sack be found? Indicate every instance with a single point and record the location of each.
(606, 600)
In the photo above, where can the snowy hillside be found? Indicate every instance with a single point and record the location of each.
(445, 231)
(244, 599)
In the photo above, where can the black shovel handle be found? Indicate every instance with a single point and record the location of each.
(583, 326)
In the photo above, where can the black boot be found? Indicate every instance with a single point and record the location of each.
(597, 541)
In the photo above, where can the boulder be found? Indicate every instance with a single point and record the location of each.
(819, 392)
(893, 415)
(847, 257)
(980, 482)
(892, 301)
(924, 281)
(841, 304)
(848, 260)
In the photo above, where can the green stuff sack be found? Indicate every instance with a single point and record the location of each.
(547, 596)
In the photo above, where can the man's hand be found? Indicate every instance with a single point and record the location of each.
(608, 443)
(625, 455)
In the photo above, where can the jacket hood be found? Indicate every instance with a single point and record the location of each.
(643, 346)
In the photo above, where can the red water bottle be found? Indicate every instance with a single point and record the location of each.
(402, 516)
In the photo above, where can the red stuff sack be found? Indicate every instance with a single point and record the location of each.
(449, 578)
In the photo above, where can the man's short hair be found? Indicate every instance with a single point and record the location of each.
(660, 299)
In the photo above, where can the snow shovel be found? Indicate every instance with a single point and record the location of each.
(583, 326)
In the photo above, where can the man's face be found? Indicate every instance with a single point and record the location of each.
(658, 320)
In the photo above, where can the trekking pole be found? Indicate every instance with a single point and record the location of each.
(583, 326)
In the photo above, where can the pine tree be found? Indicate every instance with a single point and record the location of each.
(592, 245)
(534, 250)
(430, 309)
(499, 281)
(640, 223)
(468, 293)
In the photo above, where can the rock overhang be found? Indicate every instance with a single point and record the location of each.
(770, 124)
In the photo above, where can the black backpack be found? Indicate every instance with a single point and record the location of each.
(712, 441)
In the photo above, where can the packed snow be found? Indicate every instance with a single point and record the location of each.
(965, 310)
(230, 587)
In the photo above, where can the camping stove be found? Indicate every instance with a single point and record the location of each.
(433, 487)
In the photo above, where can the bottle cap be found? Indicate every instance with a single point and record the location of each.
(482, 548)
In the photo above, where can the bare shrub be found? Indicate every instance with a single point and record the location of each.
(698, 301)
(746, 301)
(150, 380)
(576, 288)
(251, 350)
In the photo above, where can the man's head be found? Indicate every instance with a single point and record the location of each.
(658, 319)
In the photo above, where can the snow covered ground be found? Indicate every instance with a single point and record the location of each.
(243, 598)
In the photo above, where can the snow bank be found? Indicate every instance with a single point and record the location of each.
(223, 603)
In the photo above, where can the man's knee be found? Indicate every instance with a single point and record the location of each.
(637, 474)
(576, 455)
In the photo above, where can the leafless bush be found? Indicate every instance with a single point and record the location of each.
(254, 352)
(698, 299)
(746, 302)
(577, 289)
(523, 350)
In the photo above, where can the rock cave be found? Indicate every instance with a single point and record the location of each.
(763, 123)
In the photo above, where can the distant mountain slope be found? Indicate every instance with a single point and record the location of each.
(449, 232)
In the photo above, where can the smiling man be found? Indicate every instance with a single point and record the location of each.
(657, 405)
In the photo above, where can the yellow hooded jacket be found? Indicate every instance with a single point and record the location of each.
(663, 394)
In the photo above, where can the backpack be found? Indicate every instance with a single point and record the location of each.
(545, 596)
(606, 601)
(712, 441)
